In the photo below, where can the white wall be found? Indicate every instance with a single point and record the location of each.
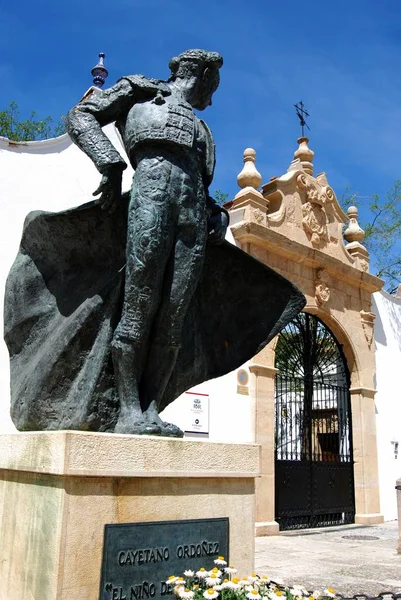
(388, 398)
(231, 415)
(51, 175)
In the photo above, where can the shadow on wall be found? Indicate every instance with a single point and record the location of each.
(380, 336)
(394, 312)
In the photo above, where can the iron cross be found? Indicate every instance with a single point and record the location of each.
(301, 114)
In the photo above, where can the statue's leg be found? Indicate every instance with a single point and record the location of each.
(149, 244)
(182, 274)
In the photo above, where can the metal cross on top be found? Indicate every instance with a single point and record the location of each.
(301, 114)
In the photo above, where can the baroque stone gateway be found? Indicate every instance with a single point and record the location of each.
(115, 308)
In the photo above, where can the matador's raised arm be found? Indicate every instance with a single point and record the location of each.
(84, 122)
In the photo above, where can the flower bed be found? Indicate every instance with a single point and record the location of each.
(222, 583)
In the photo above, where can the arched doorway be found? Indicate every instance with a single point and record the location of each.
(314, 476)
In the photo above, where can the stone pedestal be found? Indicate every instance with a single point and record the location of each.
(262, 388)
(59, 489)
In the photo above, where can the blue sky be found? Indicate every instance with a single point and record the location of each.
(341, 58)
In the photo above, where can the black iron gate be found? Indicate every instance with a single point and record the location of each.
(314, 481)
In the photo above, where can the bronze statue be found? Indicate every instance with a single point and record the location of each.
(146, 336)
(173, 156)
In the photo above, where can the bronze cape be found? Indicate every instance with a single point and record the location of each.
(63, 301)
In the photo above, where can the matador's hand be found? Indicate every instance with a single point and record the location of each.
(217, 227)
(109, 190)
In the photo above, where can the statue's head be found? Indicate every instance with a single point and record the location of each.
(199, 70)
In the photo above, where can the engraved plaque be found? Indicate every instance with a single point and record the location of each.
(138, 558)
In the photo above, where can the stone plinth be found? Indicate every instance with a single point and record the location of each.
(59, 489)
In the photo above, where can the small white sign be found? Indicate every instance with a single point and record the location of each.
(197, 415)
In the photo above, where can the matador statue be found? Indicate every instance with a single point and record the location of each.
(138, 298)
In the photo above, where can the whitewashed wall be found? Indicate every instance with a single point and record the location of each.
(388, 398)
(231, 415)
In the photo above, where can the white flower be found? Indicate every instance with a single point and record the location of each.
(171, 579)
(213, 580)
(230, 570)
(232, 585)
(244, 582)
(210, 594)
(329, 592)
(202, 573)
(179, 583)
(220, 561)
(252, 578)
(186, 593)
(253, 595)
(215, 571)
(189, 573)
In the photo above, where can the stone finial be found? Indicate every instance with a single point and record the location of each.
(99, 72)
(353, 233)
(305, 155)
(249, 176)
(354, 236)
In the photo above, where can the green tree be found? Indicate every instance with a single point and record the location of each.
(382, 232)
(13, 128)
(220, 197)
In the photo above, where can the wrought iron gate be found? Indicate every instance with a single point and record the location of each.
(314, 481)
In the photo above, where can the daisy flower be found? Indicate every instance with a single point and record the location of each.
(330, 593)
(186, 594)
(215, 571)
(230, 570)
(210, 594)
(220, 561)
(202, 573)
(189, 573)
(253, 595)
(213, 580)
(233, 585)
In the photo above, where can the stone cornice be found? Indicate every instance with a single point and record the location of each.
(262, 369)
(274, 242)
(363, 391)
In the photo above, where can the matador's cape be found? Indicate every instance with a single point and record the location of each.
(64, 299)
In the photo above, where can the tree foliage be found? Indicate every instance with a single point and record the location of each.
(382, 233)
(220, 197)
(31, 129)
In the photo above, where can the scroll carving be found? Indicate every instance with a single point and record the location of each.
(322, 287)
